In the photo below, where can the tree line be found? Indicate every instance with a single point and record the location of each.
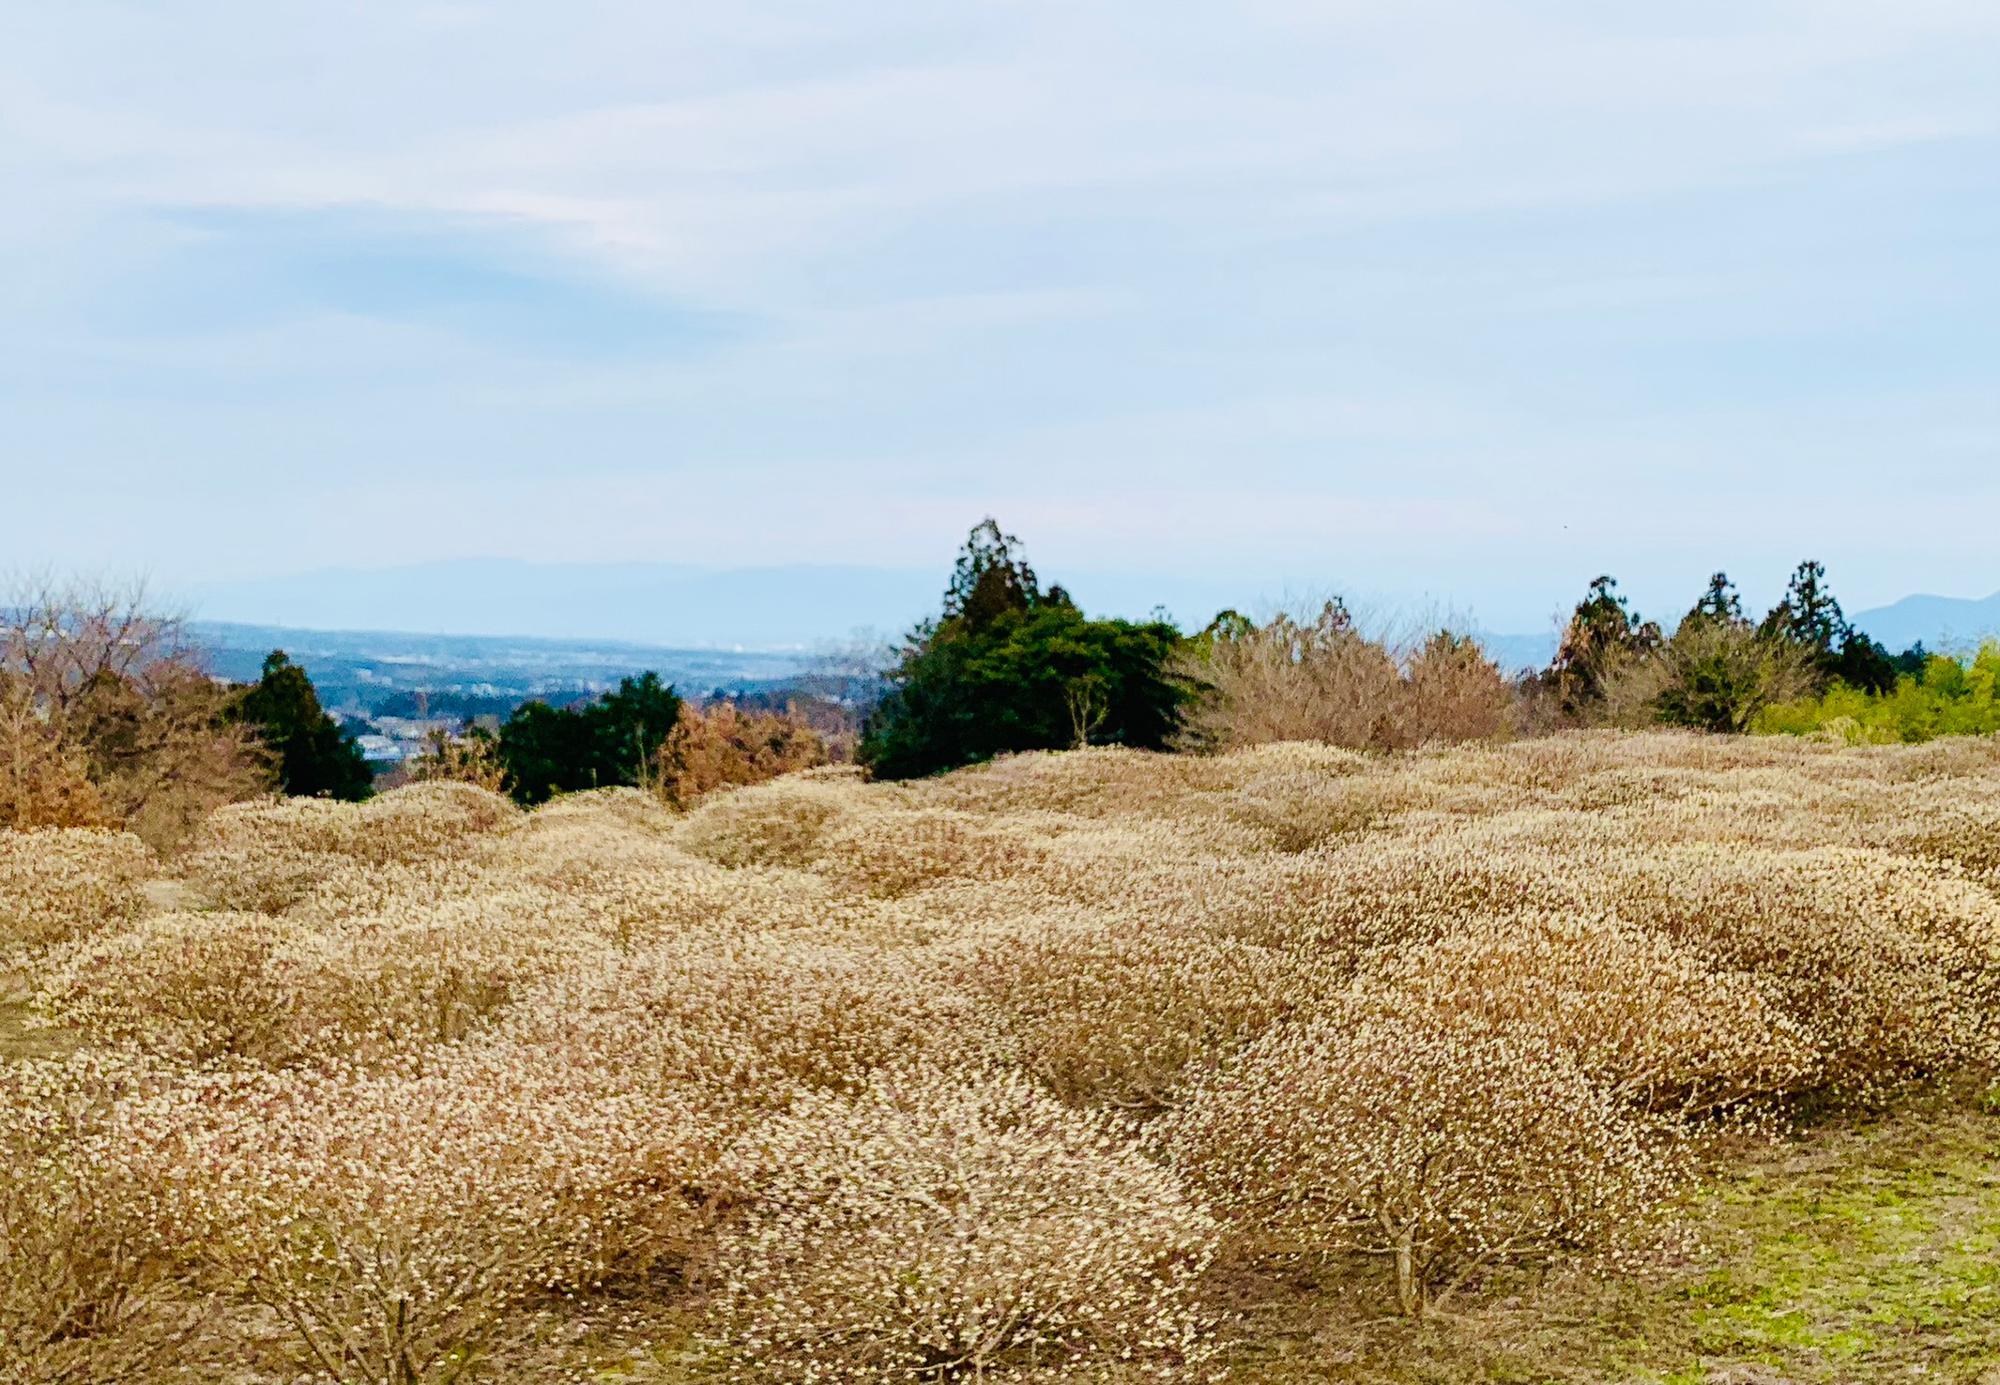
(1009, 665)
(1719, 670)
(107, 717)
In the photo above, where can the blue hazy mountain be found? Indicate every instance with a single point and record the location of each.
(1940, 622)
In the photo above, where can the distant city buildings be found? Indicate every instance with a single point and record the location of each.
(396, 739)
(381, 750)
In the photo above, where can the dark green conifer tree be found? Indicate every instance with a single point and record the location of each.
(314, 757)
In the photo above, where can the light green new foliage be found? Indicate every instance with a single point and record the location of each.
(1953, 698)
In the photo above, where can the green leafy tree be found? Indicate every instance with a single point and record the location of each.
(1809, 616)
(991, 580)
(1952, 697)
(1810, 619)
(610, 741)
(629, 724)
(1719, 605)
(1715, 675)
(545, 751)
(1010, 666)
(315, 757)
(1865, 664)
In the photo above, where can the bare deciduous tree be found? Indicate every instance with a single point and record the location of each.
(107, 716)
(1326, 679)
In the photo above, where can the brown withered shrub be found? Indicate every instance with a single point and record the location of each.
(44, 780)
(1326, 680)
(1451, 692)
(1289, 680)
(948, 1228)
(718, 747)
(107, 717)
(161, 754)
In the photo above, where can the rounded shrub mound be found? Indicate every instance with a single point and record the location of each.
(779, 823)
(268, 856)
(62, 882)
(1650, 1021)
(192, 987)
(405, 1225)
(1106, 1014)
(939, 1228)
(1445, 1149)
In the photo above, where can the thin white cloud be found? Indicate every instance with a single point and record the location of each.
(1319, 116)
(1243, 272)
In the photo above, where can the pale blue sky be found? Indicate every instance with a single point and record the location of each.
(1443, 297)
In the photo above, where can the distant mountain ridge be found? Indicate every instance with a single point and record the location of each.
(1941, 622)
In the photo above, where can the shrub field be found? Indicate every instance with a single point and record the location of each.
(1281, 1064)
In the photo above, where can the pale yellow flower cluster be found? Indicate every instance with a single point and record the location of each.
(945, 1226)
(969, 1078)
(59, 882)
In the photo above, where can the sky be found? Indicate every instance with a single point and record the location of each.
(1442, 300)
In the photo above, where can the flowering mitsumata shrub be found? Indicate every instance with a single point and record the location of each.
(1648, 1021)
(60, 882)
(940, 1228)
(82, 1297)
(960, 1078)
(405, 1225)
(1115, 1016)
(268, 856)
(1445, 1149)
